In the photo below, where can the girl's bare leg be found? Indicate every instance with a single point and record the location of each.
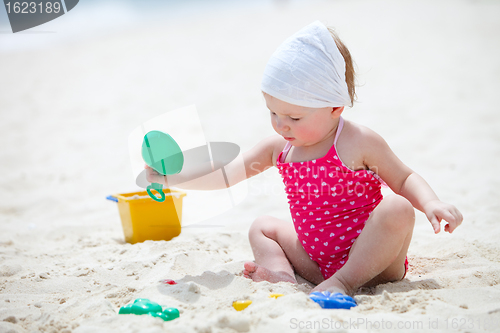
(379, 253)
(278, 253)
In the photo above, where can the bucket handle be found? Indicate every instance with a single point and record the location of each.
(158, 188)
(112, 198)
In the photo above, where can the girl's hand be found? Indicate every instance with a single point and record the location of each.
(437, 211)
(153, 176)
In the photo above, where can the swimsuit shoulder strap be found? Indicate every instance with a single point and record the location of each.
(339, 129)
(285, 151)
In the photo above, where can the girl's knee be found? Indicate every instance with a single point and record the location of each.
(398, 212)
(402, 206)
(262, 225)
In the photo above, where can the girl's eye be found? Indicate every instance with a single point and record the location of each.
(294, 119)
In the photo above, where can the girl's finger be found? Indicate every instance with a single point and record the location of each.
(449, 217)
(458, 218)
(452, 219)
(435, 224)
(457, 215)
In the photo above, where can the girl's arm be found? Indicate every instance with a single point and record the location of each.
(422, 197)
(253, 162)
(379, 157)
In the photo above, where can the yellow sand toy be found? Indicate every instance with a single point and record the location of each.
(145, 219)
(241, 305)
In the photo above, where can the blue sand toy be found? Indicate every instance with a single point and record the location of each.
(328, 300)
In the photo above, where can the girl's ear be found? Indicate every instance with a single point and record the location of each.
(336, 112)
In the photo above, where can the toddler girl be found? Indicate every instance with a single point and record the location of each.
(344, 234)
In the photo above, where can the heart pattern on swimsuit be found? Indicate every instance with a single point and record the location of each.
(329, 179)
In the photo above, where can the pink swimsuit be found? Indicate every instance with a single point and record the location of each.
(329, 203)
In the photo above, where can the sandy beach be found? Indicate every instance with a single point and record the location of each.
(428, 76)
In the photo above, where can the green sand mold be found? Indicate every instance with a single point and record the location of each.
(143, 306)
(163, 154)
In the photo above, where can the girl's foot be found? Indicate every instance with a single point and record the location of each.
(332, 285)
(259, 273)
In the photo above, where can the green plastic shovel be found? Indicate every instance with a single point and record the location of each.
(163, 154)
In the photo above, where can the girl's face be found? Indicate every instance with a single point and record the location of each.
(302, 126)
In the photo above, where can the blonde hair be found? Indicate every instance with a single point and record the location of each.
(350, 74)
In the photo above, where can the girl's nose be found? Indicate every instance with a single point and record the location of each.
(281, 126)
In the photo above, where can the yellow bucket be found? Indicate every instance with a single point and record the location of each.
(145, 219)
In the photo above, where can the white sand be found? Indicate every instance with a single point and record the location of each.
(429, 74)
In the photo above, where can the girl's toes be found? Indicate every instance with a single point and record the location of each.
(250, 267)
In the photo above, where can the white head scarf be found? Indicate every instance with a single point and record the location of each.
(308, 70)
